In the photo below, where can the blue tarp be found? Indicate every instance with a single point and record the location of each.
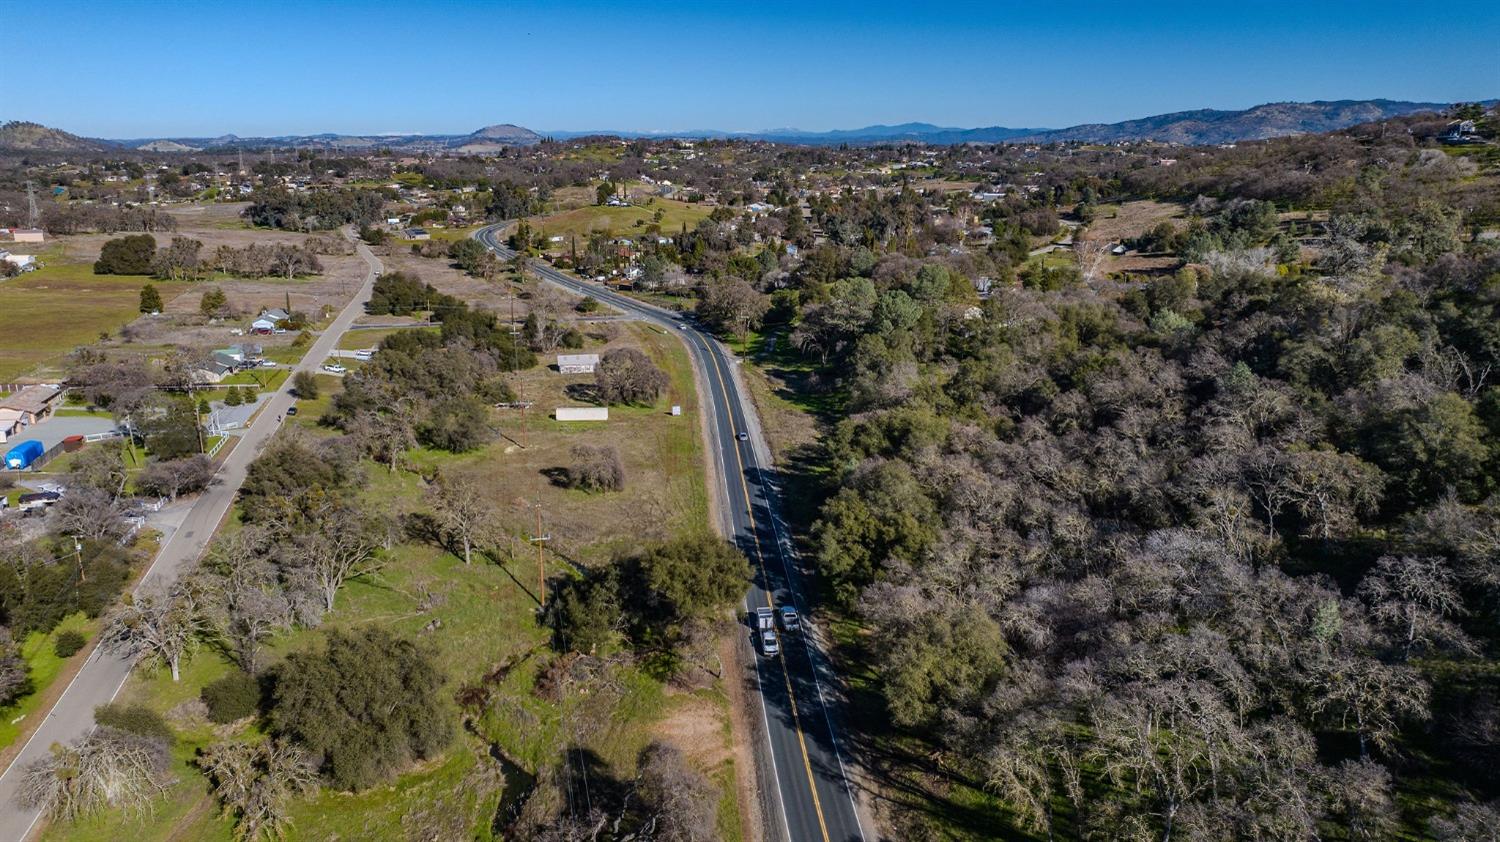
(23, 454)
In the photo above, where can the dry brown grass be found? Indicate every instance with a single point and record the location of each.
(477, 292)
(664, 493)
(695, 725)
(1132, 220)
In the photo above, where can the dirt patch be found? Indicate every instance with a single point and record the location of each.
(1131, 220)
(214, 226)
(1141, 264)
(696, 726)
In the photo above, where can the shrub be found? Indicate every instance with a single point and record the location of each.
(596, 468)
(134, 719)
(150, 299)
(68, 643)
(306, 385)
(233, 697)
(127, 256)
(367, 705)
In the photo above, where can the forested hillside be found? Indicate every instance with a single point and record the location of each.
(1204, 554)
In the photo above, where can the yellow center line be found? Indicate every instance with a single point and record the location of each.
(760, 560)
(786, 672)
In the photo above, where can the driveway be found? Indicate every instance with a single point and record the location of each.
(233, 417)
(53, 430)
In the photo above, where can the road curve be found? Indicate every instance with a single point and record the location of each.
(814, 799)
(104, 673)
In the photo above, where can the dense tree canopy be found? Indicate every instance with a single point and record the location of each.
(364, 706)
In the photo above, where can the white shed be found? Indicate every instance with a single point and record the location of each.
(577, 363)
(583, 413)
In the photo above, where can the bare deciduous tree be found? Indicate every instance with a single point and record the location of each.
(1090, 255)
(176, 476)
(243, 598)
(733, 305)
(254, 781)
(680, 798)
(107, 768)
(1368, 696)
(342, 544)
(626, 375)
(463, 510)
(1414, 597)
(159, 625)
(91, 513)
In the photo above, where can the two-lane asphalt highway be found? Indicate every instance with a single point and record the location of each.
(813, 794)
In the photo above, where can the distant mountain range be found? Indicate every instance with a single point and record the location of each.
(24, 136)
(902, 133)
(1204, 126)
(1276, 119)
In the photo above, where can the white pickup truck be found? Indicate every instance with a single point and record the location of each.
(765, 622)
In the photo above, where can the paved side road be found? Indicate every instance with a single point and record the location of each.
(812, 797)
(104, 674)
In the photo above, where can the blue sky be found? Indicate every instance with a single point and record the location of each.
(131, 68)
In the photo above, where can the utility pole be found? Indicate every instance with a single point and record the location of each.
(540, 538)
(32, 214)
(197, 423)
(78, 558)
(515, 363)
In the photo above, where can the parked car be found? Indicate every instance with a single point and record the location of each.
(789, 619)
(290, 411)
(267, 363)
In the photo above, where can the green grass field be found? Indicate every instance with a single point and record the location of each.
(474, 618)
(45, 666)
(45, 314)
(357, 339)
(263, 379)
(618, 222)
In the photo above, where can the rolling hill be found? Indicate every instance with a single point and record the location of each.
(1205, 126)
(25, 136)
